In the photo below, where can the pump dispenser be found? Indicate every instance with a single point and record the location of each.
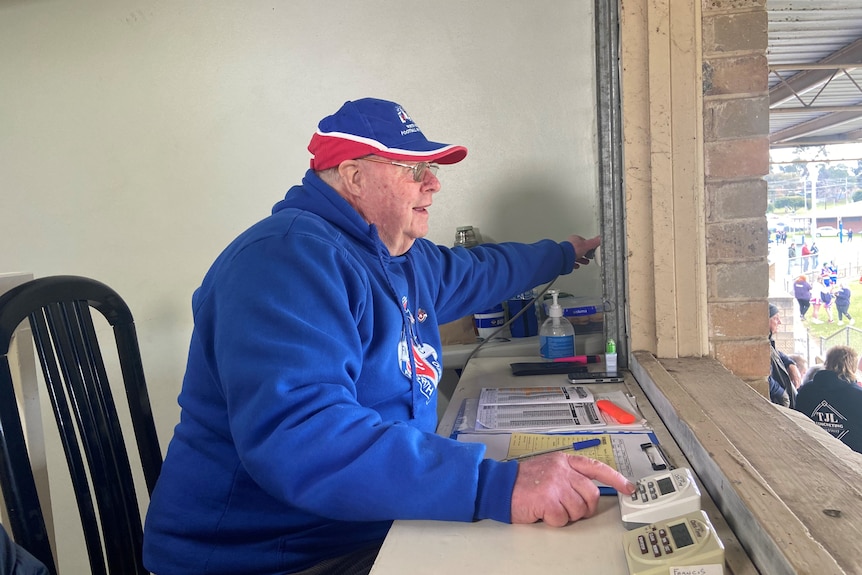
(557, 336)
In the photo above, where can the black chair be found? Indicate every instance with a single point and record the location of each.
(68, 350)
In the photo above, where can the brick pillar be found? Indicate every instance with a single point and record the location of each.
(736, 157)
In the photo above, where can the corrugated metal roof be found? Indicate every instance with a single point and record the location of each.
(815, 81)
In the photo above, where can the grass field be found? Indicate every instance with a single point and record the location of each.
(837, 334)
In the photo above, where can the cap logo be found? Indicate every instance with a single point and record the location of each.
(406, 119)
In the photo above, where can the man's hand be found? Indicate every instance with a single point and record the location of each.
(584, 248)
(558, 488)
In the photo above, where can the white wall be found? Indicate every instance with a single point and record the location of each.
(137, 138)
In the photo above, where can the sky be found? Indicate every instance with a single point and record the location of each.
(834, 153)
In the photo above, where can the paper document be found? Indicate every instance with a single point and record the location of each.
(531, 395)
(523, 444)
(539, 416)
(625, 452)
(545, 410)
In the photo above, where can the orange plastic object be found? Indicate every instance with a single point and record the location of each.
(615, 411)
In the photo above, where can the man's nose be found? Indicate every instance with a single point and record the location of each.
(430, 182)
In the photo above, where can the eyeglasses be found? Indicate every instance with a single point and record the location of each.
(417, 169)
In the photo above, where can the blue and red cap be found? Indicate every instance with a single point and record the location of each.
(371, 126)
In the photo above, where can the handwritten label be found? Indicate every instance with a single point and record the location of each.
(697, 570)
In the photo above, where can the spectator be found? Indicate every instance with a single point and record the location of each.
(833, 400)
(806, 256)
(791, 257)
(842, 303)
(802, 293)
(801, 363)
(815, 304)
(784, 376)
(821, 297)
(832, 272)
(812, 371)
(15, 560)
(815, 258)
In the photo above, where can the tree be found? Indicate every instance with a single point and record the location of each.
(834, 182)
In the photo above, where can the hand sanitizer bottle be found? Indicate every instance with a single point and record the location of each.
(557, 336)
(611, 357)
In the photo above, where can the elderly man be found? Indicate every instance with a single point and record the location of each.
(309, 400)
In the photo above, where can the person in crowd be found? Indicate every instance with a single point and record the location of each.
(842, 303)
(791, 257)
(784, 376)
(833, 399)
(801, 364)
(309, 403)
(821, 298)
(815, 258)
(812, 371)
(832, 272)
(15, 560)
(814, 304)
(805, 252)
(802, 293)
(849, 235)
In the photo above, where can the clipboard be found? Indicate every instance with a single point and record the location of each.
(635, 454)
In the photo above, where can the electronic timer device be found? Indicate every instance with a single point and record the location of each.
(685, 544)
(660, 496)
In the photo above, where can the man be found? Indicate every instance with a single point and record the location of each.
(309, 400)
(833, 398)
(784, 377)
(806, 256)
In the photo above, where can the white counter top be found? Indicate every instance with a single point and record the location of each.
(591, 546)
(587, 547)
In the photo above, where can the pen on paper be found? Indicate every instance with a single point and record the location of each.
(577, 446)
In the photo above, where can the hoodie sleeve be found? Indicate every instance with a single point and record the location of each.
(494, 272)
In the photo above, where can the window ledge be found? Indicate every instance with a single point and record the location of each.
(789, 491)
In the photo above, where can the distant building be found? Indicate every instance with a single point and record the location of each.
(846, 217)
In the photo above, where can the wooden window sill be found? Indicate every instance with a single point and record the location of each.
(789, 491)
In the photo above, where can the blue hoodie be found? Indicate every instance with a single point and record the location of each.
(309, 402)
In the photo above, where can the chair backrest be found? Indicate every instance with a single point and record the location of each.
(59, 311)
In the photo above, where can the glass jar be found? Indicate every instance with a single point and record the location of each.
(465, 236)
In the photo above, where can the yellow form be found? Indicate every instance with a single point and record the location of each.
(521, 444)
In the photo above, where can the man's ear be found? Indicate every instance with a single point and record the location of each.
(351, 177)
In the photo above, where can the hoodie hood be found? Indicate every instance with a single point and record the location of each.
(316, 196)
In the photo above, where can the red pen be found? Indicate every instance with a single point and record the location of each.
(580, 359)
